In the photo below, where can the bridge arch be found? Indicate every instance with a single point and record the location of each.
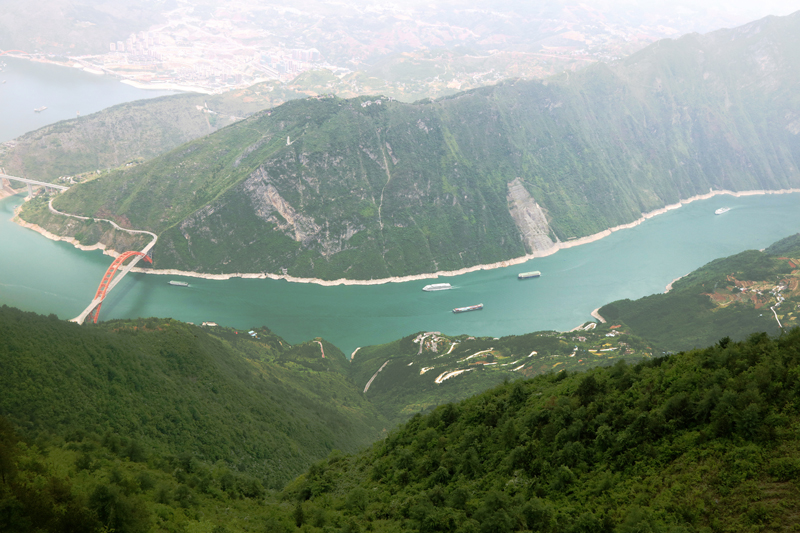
(109, 276)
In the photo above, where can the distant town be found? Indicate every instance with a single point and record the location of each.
(239, 44)
(213, 55)
(316, 47)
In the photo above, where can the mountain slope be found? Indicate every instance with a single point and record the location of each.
(420, 372)
(254, 404)
(130, 132)
(369, 188)
(698, 441)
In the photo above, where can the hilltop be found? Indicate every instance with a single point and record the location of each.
(371, 188)
(130, 133)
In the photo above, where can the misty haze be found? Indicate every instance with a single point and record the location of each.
(426, 266)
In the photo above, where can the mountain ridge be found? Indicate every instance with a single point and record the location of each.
(372, 189)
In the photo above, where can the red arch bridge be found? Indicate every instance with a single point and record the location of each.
(109, 282)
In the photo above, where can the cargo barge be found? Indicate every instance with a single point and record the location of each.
(437, 287)
(470, 308)
(526, 275)
(179, 283)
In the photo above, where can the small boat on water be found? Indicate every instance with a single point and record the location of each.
(469, 308)
(40, 109)
(437, 287)
(526, 275)
(179, 283)
(722, 210)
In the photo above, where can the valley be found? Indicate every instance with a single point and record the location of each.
(216, 394)
(629, 263)
(482, 177)
(136, 466)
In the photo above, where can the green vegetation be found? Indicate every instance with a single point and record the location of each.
(371, 188)
(420, 372)
(126, 134)
(155, 425)
(87, 483)
(86, 232)
(255, 405)
(698, 441)
(728, 297)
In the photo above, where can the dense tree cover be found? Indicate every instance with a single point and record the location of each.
(367, 188)
(689, 315)
(82, 483)
(257, 405)
(153, 425)
(698, 441)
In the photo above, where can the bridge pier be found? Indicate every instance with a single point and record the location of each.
(30, 190)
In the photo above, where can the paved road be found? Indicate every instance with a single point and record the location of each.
(127, 268)
(34, 182)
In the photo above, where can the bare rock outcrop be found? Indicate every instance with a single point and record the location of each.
(529, 218)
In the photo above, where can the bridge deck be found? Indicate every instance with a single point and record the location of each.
(34, 182)
(127, 268)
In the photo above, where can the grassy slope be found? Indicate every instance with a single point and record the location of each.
(396, 189)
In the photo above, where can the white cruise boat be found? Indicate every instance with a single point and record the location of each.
(437, 287)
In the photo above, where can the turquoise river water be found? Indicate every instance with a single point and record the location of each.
(40, 275)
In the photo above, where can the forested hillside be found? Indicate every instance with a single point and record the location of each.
(699, 441)
(254, 404)
(372, 188)
(731, 296)
(154, 425)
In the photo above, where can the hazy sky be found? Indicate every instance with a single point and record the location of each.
(686, 16)
(749, 9)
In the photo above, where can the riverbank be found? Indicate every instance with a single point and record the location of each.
(596, 314)
(71, 240)
(433, 275)
(671, 283)
(53, 237)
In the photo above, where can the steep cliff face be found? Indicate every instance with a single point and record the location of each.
(371, 188)
(529, 218)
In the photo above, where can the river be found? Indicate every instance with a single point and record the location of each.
(40, 275)
(64, 91)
